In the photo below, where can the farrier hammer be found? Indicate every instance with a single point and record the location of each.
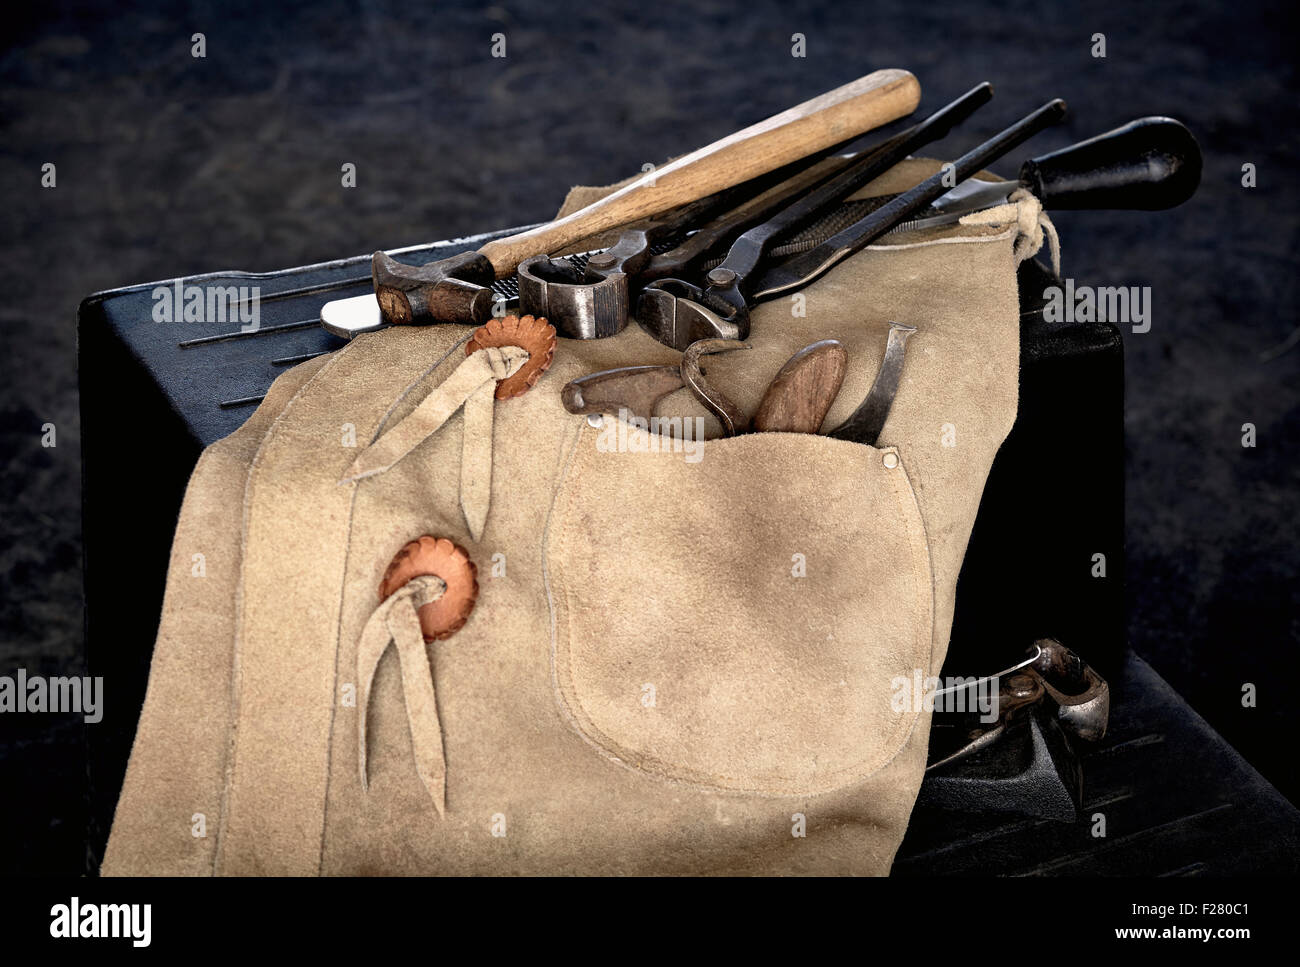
(457, 289)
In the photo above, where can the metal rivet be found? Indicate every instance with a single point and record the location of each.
(890, 460)
(595, 420)
(721, 276)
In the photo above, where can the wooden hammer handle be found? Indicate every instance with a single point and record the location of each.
(826, 120)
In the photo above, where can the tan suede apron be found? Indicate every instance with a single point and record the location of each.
(678, 663)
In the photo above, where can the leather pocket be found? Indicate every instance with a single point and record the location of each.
(738, 621)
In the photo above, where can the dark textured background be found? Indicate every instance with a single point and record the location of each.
(170, 166)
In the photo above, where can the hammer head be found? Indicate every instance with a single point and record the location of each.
(580, 304)
(454, 289)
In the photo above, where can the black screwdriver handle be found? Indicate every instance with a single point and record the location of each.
(1148, 164)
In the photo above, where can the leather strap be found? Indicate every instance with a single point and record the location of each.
(472, 385)
(397, 620)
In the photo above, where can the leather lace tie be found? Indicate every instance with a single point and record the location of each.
(471, 385)
(397, 621)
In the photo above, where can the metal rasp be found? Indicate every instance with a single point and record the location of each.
(803, 269)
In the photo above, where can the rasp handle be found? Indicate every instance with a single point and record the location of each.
(749, 249)
(1149, 164)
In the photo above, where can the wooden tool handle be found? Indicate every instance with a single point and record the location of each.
(799, 397)
(826, 120)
